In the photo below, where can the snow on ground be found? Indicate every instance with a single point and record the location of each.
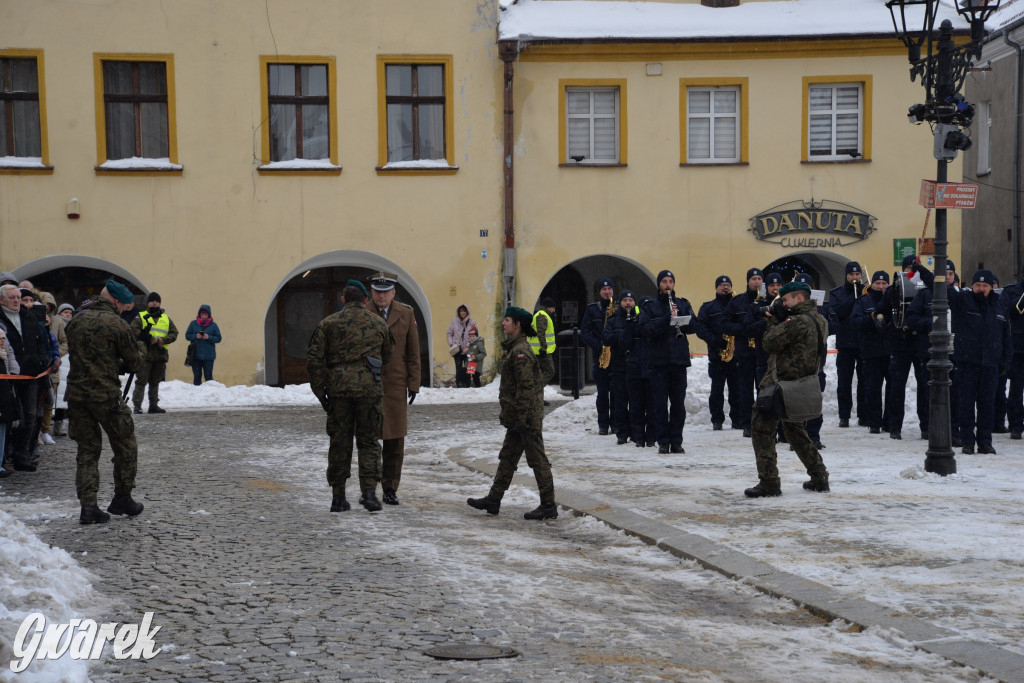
(946, 549)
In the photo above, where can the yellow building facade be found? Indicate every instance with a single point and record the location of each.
(255, 156)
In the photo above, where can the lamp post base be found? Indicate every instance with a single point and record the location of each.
(939, 463)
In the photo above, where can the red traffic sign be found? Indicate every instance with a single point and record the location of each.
(948, 195)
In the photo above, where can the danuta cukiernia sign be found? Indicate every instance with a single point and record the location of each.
(812, 225)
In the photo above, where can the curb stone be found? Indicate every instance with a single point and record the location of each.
(817, 598)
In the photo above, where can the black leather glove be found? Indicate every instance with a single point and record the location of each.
(144, 335)
(777, 310)
(325, 401)
(412, 397)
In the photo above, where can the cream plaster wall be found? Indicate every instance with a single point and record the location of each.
(695, 220)
(221, 233)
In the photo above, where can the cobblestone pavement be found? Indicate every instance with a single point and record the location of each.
(251, 578)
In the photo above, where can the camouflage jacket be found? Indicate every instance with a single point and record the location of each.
(155, 353)
(338, 349)
(101, 347)
(521, 393)
(793, 344)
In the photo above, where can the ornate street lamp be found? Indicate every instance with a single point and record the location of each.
(942, 69)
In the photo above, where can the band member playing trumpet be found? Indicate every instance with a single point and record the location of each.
(869, 318)
(905, 353)
(592, 330)
(721, 354)
(840, 308)
(665, 322)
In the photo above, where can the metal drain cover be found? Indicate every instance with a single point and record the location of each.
(470, 651)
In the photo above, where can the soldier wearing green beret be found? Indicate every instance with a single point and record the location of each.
(344, 360)
(521, 395)
(102, 346)
(795, 339)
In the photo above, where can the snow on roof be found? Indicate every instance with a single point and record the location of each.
(595, 19)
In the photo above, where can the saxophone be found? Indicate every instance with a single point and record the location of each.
(606, 351)
(725, 355)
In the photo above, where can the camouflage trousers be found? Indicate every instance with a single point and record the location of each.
(547, 367)
(363, 418)
(762, 432)
(518, 441)
(85, 420)
(150, 374)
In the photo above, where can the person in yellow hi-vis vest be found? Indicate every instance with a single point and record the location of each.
(543, 344)
(161, 330)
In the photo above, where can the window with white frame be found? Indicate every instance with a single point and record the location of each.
(713, 124)
(984, 146)
(835, 121)
(592, 125)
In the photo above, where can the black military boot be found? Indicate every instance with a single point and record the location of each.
(137, 410)
(746, 432)
(662, 449)
(986, 449)
(369, 500)
(487, 504)
(817, 485)
(91, 514)
(156, 410)
(122, 504)
(676, 448)
(390, 497)
(338, 502)
(761, 491)
(844, 423)
(621, 440)
(542, 511)
(895, 436)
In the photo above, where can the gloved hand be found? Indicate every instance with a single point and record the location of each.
(777, 310)
(412, 397)
(325, 401)
(144, 336)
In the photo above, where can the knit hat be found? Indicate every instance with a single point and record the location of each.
(119, 292)
(986, 276)
(153, 296)
(27, 292)
(795, 287)
(626, 293)
(664, 274)
(773, 279)
(804, 278)
(908, 260)
(754, 271)
(65, 307)
(605, 282)
(360, 285)
(720, 279)
(853, 267)
(880, 275)
(949, 265)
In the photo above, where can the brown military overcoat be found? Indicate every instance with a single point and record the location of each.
(401, 373)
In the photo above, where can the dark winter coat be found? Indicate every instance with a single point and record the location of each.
(982, 330)
(664, 346)
(840, 313)
(1009, 299)
(711, 324)
(874, 338)
(206, 349)
(592, 328)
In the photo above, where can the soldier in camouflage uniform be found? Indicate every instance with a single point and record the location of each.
(102, 346)
(792, 339)
(344, 359)
(521, 396)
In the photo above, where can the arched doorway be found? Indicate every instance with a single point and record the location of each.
(313, 291)
(72, 279)
(827, 268)
(573, 287)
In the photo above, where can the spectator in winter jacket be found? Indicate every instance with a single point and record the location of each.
(458, 335)
(477, 354)
(205, 333)
(10, 408)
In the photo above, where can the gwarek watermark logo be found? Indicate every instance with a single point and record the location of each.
(81, 639)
